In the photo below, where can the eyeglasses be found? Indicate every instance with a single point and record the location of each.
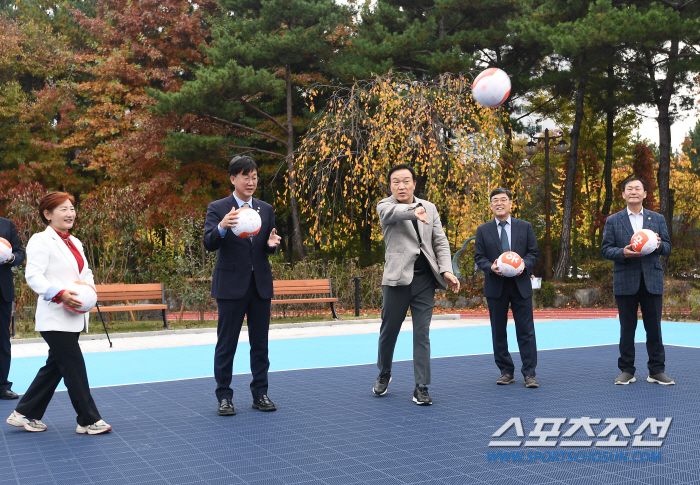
(248, 180)
(499, 201)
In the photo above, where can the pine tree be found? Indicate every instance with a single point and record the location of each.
(263, 52)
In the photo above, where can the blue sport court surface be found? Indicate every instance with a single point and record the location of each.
(331, 429)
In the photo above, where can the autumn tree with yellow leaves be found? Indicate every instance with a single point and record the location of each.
(454, 145)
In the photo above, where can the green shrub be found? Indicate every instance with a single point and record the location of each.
(598, 269)
(545, 297)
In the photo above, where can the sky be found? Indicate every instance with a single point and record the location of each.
(649, 129)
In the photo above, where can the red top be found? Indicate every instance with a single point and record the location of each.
(78, 258)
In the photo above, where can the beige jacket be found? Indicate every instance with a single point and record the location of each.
(401, 241)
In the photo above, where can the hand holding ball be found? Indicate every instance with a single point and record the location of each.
(510, 264)
(644, 242)
(248, 224)
(5, 250)
(491, 88)
(84, 292)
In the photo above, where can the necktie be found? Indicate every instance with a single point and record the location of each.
(245, 204)
(505, 246)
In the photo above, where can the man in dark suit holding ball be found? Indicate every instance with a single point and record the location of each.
(241, 284)
(506, 233)
(638, 280)
(7, 296)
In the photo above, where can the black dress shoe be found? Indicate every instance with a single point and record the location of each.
(8, 394)
(264, 404)
(226, 408)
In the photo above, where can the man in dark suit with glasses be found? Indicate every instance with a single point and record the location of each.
(241, 284)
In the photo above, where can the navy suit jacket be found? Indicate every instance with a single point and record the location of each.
(627, 272)
(9, 232)
(487, 249)
(238, 257)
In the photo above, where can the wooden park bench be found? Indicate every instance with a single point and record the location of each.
(126, 293)
(305, 287)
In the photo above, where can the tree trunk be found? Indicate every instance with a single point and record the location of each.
(663, 102)
(609, 139)
(298, 242)
(562, 267)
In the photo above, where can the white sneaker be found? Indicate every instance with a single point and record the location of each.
(20, 421)
(97, 428)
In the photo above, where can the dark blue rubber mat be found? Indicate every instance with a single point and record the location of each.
(331, 429)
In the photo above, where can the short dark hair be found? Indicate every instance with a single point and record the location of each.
(51, 201)
(500, 190)
(401, 166)
(242, 164)
(632, 179)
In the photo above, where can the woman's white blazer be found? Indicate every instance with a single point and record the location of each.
(51, 267)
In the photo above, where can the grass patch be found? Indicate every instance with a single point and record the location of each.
(156, 325)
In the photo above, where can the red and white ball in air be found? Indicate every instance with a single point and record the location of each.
(491, 88)
(5, 250)
(86, 293)
(248, 223)
(510, 264)
(644, 241)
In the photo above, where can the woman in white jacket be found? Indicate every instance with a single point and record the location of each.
(55, 259)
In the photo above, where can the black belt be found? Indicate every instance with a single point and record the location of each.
(418, 272)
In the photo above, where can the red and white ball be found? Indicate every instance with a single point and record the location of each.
(510, 264)
(86, 293)
(644, 241)
(5, 250)
(248, 223)
(491, 88)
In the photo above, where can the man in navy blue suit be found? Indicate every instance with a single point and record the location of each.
(7, 296)
(506, 233)
(241, 284)
(637, 281)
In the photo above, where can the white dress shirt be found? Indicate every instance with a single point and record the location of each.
(637, 220)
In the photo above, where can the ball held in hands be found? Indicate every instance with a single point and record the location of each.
(644, 242)
(510, 264)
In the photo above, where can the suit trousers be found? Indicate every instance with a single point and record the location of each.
(524, 329)
(651, 305)
(65, 361)
(419, 296)
(5, 346)
(231, 315)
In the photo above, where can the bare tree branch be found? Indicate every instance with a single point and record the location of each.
(247, 128)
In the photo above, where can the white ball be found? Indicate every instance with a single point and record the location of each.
(248, 223)
(510, 264)
(491, 88)
(86, 293)
(5, 250)
(644, 241)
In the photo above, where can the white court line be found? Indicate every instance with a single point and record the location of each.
(366, 363)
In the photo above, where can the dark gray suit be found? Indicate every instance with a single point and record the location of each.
(7, 296)
(500, 292)
(637, 282)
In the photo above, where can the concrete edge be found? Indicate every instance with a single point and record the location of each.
(274, 326)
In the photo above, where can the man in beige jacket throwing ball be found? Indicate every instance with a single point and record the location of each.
(417, 262)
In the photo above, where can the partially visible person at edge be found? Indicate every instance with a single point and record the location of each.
(55, 259)
(638, 281)
(501, 234)
(7, 296)
(241, 284)
(417, 262)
